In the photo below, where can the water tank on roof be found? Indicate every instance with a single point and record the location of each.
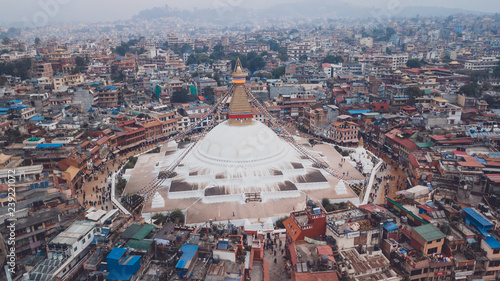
(324, 259)
(493, 200)
(404, 220)
(439, 204)
(216, 259)
(486, 208)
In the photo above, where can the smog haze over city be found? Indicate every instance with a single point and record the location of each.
(113, 10)
(258, 140)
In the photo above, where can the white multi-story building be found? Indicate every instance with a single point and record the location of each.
(66, 253)
(295, 51)
(332, 70)
(482, 64)
(399, 60)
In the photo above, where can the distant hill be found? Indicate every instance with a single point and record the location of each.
(305, 10)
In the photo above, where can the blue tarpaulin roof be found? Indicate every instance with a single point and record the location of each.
(116, 253)
(478, 217)
(37, 118)
(390, 226)
(492, 242)
(480, 160)
(188, 253)
(471, 240)
(49, 145)
(358, 111)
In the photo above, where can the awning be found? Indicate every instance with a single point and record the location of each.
(131, 145)
(116, 151)
(97, 163)
(471, 240)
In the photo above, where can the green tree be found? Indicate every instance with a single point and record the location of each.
(37, 41)
(219, 48)
(20, 68)
(413, 93)
(120, 185)
(273, 45)
(325, 202)
(283, 53)
(333, 59)
(388, 51)
(496, 71)
(122, 49)
(6, 40)
(472, 90)
(278, 72)
(177, 216)
(159, 218)
(389, 31)
(257, 63)
(216, 77)
(208, 93)
(192, 59)
(3, 81)
(413, 63)
(279, 222)
(186, 48)
(182, 96)
(303, 58)
(218, 52)
(79, 61)
(13, 135)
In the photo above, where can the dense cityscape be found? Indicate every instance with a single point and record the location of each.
(222, 144)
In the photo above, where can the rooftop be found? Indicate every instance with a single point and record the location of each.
(429, 232)
(73, 233)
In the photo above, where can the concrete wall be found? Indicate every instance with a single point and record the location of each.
(225, 255)
(279, 195)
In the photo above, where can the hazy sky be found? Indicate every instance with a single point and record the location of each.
(106, 10)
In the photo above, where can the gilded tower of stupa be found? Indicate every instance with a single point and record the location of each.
(240, 111)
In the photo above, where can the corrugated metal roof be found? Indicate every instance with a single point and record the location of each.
(142, 245)
(143, 232)
(188, 253)
(74, 232)
(130, 231)
(478, 217)
(492, 242)
(116, 253)
(429, 232)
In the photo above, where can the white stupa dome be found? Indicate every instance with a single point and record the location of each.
(251, 144)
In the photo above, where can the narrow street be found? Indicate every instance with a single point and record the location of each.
(391, 179)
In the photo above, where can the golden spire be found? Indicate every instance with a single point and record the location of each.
(240, 111)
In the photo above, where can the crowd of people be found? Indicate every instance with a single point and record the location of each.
(274, 246)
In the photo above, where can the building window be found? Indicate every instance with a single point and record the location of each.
(496, 251)
(432, 251)
(416, 272)
(439, 240)
(74, 250)
(494, 263)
